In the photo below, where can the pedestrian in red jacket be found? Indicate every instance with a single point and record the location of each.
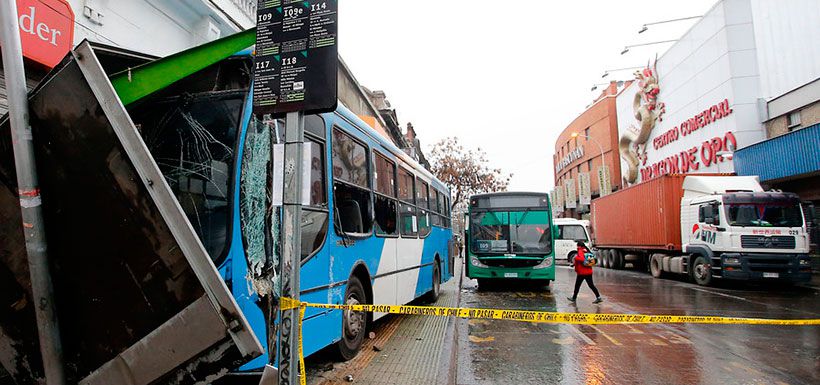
(583, 269)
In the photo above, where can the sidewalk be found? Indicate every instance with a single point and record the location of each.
(406, 349)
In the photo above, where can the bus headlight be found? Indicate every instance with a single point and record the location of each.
(547, 262)
(475, 262)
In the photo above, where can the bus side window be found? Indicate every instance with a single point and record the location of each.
(315, 216)
(423, 191)
(386, 207)
(408, 221)
(351, 190)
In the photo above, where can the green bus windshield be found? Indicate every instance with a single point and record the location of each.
(503, 232)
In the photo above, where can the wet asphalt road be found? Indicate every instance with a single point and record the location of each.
(510, 352)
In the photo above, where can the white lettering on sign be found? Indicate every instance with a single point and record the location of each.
(569, 158)
(29, 25)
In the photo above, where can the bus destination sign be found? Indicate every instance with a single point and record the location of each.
(296, 58)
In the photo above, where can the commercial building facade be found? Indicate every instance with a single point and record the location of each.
(711, 93)
(581, 151)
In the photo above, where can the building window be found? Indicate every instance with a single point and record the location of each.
(794, 120)
(586, 133)
(579, 169)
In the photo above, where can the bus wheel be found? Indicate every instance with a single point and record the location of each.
(432, 295)
(702, 271)
(354, 323)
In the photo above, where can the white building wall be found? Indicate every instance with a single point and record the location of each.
(788, 44)
(157, 27)
(715, 60)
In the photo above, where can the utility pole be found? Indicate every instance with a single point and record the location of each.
(48, 328)
(291, 247)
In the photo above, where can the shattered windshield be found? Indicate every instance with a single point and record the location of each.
(524, 232)
(193, 140)
(769, 214)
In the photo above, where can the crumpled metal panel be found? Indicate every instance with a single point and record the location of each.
(126, 262)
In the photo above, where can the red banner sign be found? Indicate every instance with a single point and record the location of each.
(46, 30)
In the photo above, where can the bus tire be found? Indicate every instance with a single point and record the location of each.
(354, 324)
(702, 271)
(433, 294)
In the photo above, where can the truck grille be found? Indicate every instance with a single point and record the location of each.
(764, 242)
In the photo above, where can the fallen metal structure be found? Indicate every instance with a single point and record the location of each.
(138, 297)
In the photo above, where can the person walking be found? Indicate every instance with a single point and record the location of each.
(583, 269)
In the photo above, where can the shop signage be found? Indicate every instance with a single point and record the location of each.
(584, 190)
(570, 198)
(46, 30)
(703, 119)
(296, 61)
(573, 155)
(559, 198)
(604, 181)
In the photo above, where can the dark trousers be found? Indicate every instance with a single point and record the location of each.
(581, 278)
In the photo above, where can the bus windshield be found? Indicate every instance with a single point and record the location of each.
(768, 214)
(523, 232)
(193, 140)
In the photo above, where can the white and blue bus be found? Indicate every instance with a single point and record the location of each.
(377, 229)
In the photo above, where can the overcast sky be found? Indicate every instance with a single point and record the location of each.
(504, 76)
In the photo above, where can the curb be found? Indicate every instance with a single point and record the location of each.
(446, 374)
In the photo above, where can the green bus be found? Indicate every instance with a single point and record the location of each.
(509, 235)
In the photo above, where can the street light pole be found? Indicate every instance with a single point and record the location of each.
(42, 291)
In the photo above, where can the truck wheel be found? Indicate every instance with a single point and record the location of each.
(702, 271)
(608, 258)
(655, 266)
(571, 256)
(354, 323)
(617, 259)
(602, 258)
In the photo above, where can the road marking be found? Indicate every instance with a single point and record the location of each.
(613, 340)
(576, 331)
(633, 330)
(474, 322)
(568, 340)
(477, 339)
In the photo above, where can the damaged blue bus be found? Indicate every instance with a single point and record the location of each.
(377, 229)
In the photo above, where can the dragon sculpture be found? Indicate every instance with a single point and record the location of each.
(648, 111)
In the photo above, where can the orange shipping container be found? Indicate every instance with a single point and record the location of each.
(644, 216)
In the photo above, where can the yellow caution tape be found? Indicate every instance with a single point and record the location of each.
(532, 316)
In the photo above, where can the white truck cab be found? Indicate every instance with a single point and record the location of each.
(731, 228)
(570, 230)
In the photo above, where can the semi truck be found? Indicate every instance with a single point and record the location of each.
(704, 226)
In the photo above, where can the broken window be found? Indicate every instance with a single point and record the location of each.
(349, 159)
(259, 225)
(192, 137)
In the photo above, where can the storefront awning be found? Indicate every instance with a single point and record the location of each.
(788, 156)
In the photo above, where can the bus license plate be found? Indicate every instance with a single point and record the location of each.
(771, 275)
(510, 275)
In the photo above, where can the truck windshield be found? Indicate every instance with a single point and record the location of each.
(769, 214)
(524, 232)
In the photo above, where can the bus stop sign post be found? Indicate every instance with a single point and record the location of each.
(42, 289)
(295, 73)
